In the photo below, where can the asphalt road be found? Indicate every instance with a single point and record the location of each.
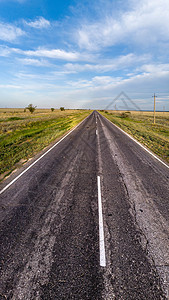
(50, 221)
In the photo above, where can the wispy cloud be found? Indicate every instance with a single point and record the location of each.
(107, 65)
(10, 33)
(9, 86)
(59, 54)
(4, 50)
(34, 62)
(145, 23)
(53, 53)
(90, 54)
(101, 87)
(154, 68)
(39, 23)
(101, 90)
(97, 81)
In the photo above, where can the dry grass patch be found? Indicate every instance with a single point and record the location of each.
(140, 126)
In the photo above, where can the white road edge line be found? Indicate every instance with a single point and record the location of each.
(156, 157)
(101, 228)
(16, 178)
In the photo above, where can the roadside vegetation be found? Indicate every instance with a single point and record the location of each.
(140, 126)
(23, 134)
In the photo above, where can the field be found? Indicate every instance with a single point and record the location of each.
(140, 126)
(23, 134)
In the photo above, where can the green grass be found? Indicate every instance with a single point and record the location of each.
(140, 126)
(22, 134)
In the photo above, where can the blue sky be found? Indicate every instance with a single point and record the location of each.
(82, 54)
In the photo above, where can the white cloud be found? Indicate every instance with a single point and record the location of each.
(79, 84)
(139, 87)
(4, 51)
(10, 33)
(145, 24)
(9, 86)
(48, 53)
(7, 51)
(53, 53)
(59, 54)
(154, 68)
(105, 80)
(106, 65)
(101, 90)
(33, 62)
(39, 23)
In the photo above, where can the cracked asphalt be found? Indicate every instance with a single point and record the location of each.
(49, 228)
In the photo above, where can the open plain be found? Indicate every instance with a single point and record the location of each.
(22, 134)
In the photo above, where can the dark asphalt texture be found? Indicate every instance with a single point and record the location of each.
(49, 230)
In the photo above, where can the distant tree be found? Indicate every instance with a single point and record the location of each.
(62, 108)
(52, 109)
(31, 108)
(125, 114)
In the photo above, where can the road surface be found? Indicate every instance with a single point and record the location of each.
(88, 220)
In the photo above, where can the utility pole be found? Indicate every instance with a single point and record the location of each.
(154, 107)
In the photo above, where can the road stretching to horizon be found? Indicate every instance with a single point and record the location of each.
(88, 220)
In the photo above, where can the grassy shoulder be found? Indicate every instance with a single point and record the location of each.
(140, 126)
(22, 135)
